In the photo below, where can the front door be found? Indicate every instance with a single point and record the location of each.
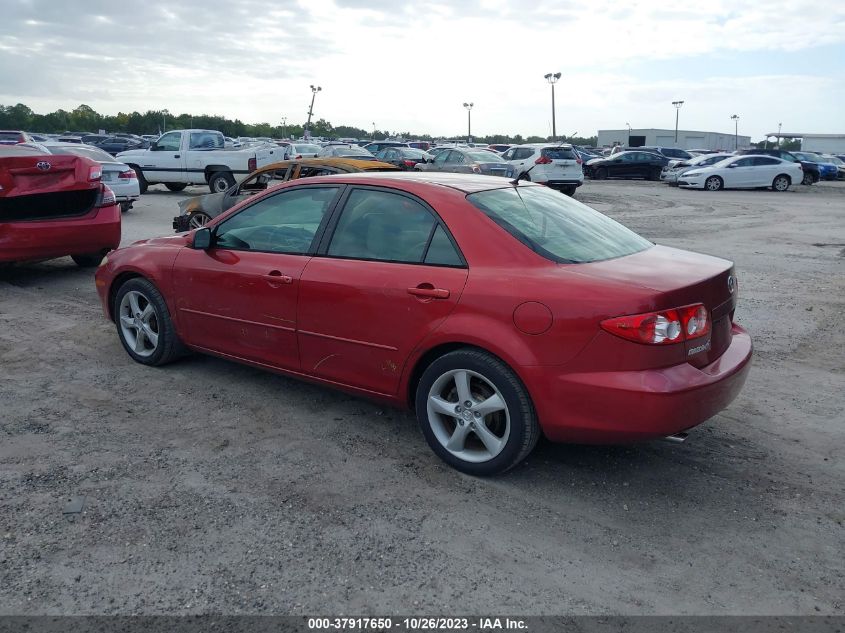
(387, 278)
(166, 163)
(239, 297)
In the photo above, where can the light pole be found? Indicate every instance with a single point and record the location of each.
(468, 106)
(552, 79)
(779, 125)
(677, 105)
(284, 127)
(629, 134)
(314, 91)
(735, 118)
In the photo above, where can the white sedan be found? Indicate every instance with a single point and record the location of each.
(671, 174)
(744, 172)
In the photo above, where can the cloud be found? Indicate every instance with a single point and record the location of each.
(410, 65)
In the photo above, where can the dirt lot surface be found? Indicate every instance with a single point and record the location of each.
(214, 487)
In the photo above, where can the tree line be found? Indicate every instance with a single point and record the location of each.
(85, 119)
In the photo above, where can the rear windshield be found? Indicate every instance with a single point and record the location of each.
(675, 153)
(307, 149)
(485, 157)
(558, 153)
(557, 227)
(10, 136)
(88, 152)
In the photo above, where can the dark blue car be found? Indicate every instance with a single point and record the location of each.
(827, 171)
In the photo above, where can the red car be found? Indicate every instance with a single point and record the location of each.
(53, 206)
(496, 309)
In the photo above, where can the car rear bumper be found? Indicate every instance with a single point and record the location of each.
(628, 406)
(96, 231)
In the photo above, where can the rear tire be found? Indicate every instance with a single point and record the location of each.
(491, 434)
(569, 191)
(654, 174)
(175, 186)
(144, 325)
(808, 179)
(714, 183)
(781, 183)
(88, 260)
(220, 181)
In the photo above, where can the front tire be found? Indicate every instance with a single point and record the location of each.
(198, 220)
(142, 182)
(144, 325)
(713, 183)
(600, 173)
(175, 186)
(781, 183)
(220, 181)
(475, 413)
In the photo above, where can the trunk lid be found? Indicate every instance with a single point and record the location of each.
(681, 278)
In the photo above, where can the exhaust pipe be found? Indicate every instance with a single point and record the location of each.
(677, 438)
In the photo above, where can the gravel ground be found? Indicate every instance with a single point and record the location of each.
(214, 487)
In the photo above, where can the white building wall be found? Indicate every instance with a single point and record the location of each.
(833, 144)
(687, 139)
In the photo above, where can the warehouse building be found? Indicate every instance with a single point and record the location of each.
(825, 143)
(687, 139)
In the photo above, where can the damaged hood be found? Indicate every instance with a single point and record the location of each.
(211, 204)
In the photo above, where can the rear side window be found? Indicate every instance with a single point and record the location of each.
(11, 136)
(557, 227)
(522, 153)
(558, 153)
(204, 140)
(766, 161)
(675, 153)
(384, 226)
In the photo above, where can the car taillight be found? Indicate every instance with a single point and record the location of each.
(543, 160)
(663, 327)
(129, 174)
(579, 161)
(106, 197)
(298, 156)
(95, 173)
(252, 164)
(409, 163)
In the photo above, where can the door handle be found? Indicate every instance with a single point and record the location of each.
(175, 155)
(278, 277)
(427, 291)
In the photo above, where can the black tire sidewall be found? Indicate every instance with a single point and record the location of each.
(165, 328)
(220, 175)
(515, 395)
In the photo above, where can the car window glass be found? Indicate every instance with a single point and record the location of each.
(744, 162)
(440, 158)
(557, 227)
(525, 152)
(454, 158)
(630, 157)
(169, 142)
(765, 161)
(508, 155)
(383, 226)
(441, 250)
(284, 223)
(558, 153)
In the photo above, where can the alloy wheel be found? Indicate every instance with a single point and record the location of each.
(198, 220)
(139, 324)
(468, 415)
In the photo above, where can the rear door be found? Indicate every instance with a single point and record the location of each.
(386, 275)
(765, 170)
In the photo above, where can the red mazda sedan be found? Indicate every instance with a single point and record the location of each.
(497, 310)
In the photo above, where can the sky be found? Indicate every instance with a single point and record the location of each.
(409, 66)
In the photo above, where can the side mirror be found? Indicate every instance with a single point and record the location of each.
(202, 239)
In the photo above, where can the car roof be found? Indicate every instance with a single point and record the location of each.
(467, 183)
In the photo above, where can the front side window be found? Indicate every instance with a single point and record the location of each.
(284, 223)
(744, 162)
(454, 158)
(523, 152)
(169, 142)
(383, 226)
(557, 227)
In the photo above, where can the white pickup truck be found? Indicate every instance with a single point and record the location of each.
(195, 157)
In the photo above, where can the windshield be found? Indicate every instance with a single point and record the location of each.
(810, 158)
(557, 227)
(307, 149)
